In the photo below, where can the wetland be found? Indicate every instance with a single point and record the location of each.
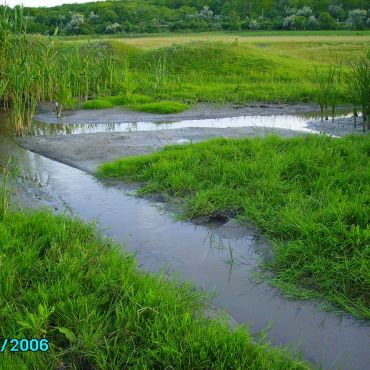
(194, 205)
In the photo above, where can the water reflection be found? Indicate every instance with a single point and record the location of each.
(291, 122)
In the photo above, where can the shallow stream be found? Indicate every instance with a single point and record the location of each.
(219, 257)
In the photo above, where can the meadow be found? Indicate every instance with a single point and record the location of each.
(259, 68)
(310, 196)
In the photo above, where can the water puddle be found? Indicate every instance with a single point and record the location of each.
(214, 258)
(289, 122)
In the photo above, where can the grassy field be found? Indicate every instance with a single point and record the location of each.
(167, 39)
(136, 102)
(310, 195)
(225, 68)
(320, 46)
(60, 281)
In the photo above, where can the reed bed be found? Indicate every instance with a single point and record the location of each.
(34, 70)
(358, 88)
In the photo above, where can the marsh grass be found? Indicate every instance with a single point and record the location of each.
(71, 72)
(358, 88)
(117, 100)
(34, 70)
(160, 77)
(223, 72)
(61, 281)
(142, 103)
(160, 107)
(310, 195)
(4, 190)
(328, 91)
(97, 104)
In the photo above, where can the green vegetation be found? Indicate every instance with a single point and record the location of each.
(4, 189)
(36, 69)
(147, 16)
(161, 107)
(218, 72)
(328, 91)
(140, 103)
(33, 70)
(359, 89)
(59, 280)
(310, 195)
(97, 104)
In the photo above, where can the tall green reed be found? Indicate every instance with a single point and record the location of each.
(328, 91)
(160, 77)
(4, 190)
(19, 71)
(34, 70)
(358, 88)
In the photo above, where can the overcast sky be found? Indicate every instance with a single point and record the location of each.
(42, 2)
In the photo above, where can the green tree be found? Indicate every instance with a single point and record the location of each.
(326, 21)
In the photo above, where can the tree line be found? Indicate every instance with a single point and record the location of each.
(151, 16)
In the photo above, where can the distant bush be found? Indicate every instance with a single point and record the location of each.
(140, 16)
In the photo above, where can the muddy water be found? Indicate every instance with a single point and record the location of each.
(201, 254)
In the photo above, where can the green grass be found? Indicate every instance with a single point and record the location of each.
(310, 195)
(137, 102)
(118, 100)
(187, 68)
(160, 107)
(226, 72)
(97, 104)
(269, 68)
(59, 280)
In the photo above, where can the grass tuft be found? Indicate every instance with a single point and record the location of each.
(142, 103)
(97, 104)
(160, 107)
